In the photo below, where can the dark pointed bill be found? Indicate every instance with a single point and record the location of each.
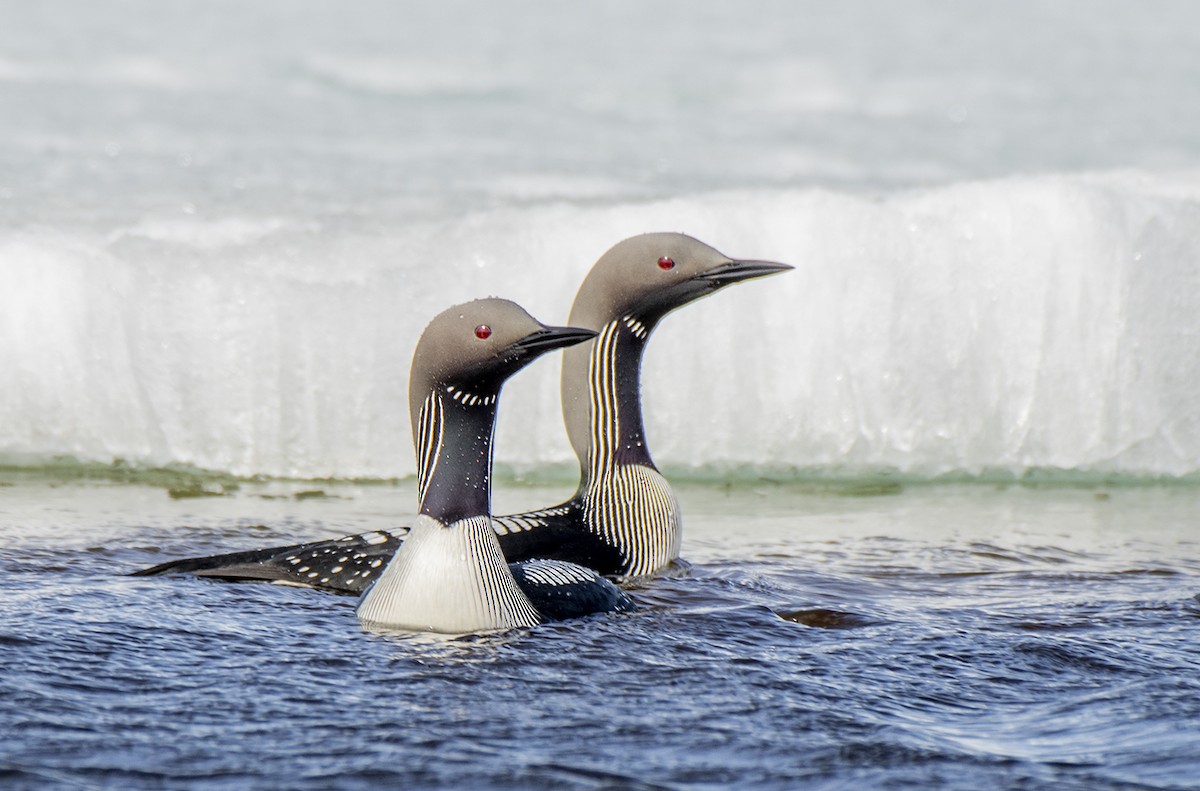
(553, 338)
(737, 271)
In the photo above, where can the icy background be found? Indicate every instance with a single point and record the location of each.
(223, 226)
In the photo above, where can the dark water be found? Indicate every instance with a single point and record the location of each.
(958, 637)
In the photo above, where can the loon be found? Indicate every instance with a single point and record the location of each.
(450, 575)
(624, 519)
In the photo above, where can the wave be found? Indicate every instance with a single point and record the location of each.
(1042, 323)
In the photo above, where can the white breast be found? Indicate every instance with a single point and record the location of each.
(450, 579)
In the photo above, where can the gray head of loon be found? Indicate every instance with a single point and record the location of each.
(471, 349)
(645, 277)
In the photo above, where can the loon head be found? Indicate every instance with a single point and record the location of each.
(645, 277)
(637, 282)
(471, 349)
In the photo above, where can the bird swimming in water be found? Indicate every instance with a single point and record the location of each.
(450, 575)
(624, 518)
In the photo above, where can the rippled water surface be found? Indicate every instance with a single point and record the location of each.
(822, 637)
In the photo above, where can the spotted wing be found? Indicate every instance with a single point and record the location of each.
(342, 565)
(561, 590)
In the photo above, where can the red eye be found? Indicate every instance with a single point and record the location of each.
(666, 262)
(483, 332)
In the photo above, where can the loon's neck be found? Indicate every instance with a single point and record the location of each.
(602, 399)
(454, 454)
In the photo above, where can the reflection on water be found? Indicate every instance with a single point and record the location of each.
(962, 636)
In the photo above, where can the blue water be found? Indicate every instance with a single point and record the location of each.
(939, 482)
(822, 637)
